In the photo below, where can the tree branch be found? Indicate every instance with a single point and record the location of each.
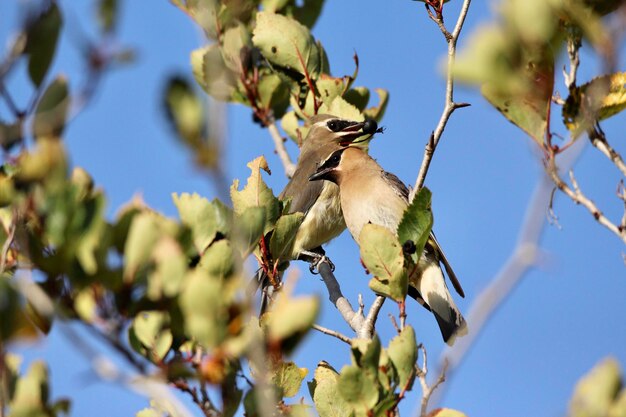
(427, 390)
(450, 106)
(598, 140)
(362, 326)
(333, 333)
(574, 192)
(281, 150)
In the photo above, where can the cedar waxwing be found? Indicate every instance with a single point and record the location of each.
(369, 194)
(319, 201)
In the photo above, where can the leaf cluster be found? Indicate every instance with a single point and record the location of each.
(514, 64)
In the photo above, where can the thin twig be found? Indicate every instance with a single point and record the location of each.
(281, 150)
(579, 197)
(333, 333)
(598, 139)
(428, 390)
(450, 106)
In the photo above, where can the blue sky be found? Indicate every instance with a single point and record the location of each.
(563, 318)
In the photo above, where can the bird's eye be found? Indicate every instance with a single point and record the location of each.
(333, 125)
(335, 159)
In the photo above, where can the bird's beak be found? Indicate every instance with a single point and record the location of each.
(321, 173)
(365, 129)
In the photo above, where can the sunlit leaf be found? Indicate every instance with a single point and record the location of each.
(324, 388)
(358, 388)
(286, 43)
(149, 335)
(402, 351)
(382, 255)
(595, 391)
(288, 377)
(599, 99)
(256, 194)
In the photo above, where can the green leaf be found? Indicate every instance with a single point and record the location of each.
(250, 226)
(596, 391)
(618, 408)
(377, 112)
(171, 266)
(233, 41)
(203, 305)
(402, 351)
(42, 36)
(292, 127)
(329, 87)
(107, 14)
(274, 94)
(52, 110)
(382, 255)
(218, 260)
(200, 216)
(284, 235)
(146, 229)
(341, 108)
(286, 43)
(521, 111)
(149, 335)
(358, 388)
(288, 377)
(11, 134)
(184, 110)
(416, 223)
(599, 99)
(291, 316)
(256, 194)
(10, 306)
(212, 74)
(366, 353)
(358, 97)
(324, 388)
(31, 392)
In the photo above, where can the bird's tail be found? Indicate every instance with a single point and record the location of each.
(432, 288)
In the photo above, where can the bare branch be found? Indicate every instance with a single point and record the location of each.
(281, 150)
(362, 326)
(450, 105)
(578, 197)
(428, 390)
(598, 139)
(333, 333)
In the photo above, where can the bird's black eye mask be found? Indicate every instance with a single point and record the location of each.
(337, 125)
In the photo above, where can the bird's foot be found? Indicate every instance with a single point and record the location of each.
(314, 266)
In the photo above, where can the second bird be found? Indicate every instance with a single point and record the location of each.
(369, 194)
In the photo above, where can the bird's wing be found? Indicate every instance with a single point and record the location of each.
(397, 185)
(441, 256)
(302, 192)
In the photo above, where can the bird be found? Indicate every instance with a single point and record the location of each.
(369, 194)
(318, 201)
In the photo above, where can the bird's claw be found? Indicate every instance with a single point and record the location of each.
(314, 266)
